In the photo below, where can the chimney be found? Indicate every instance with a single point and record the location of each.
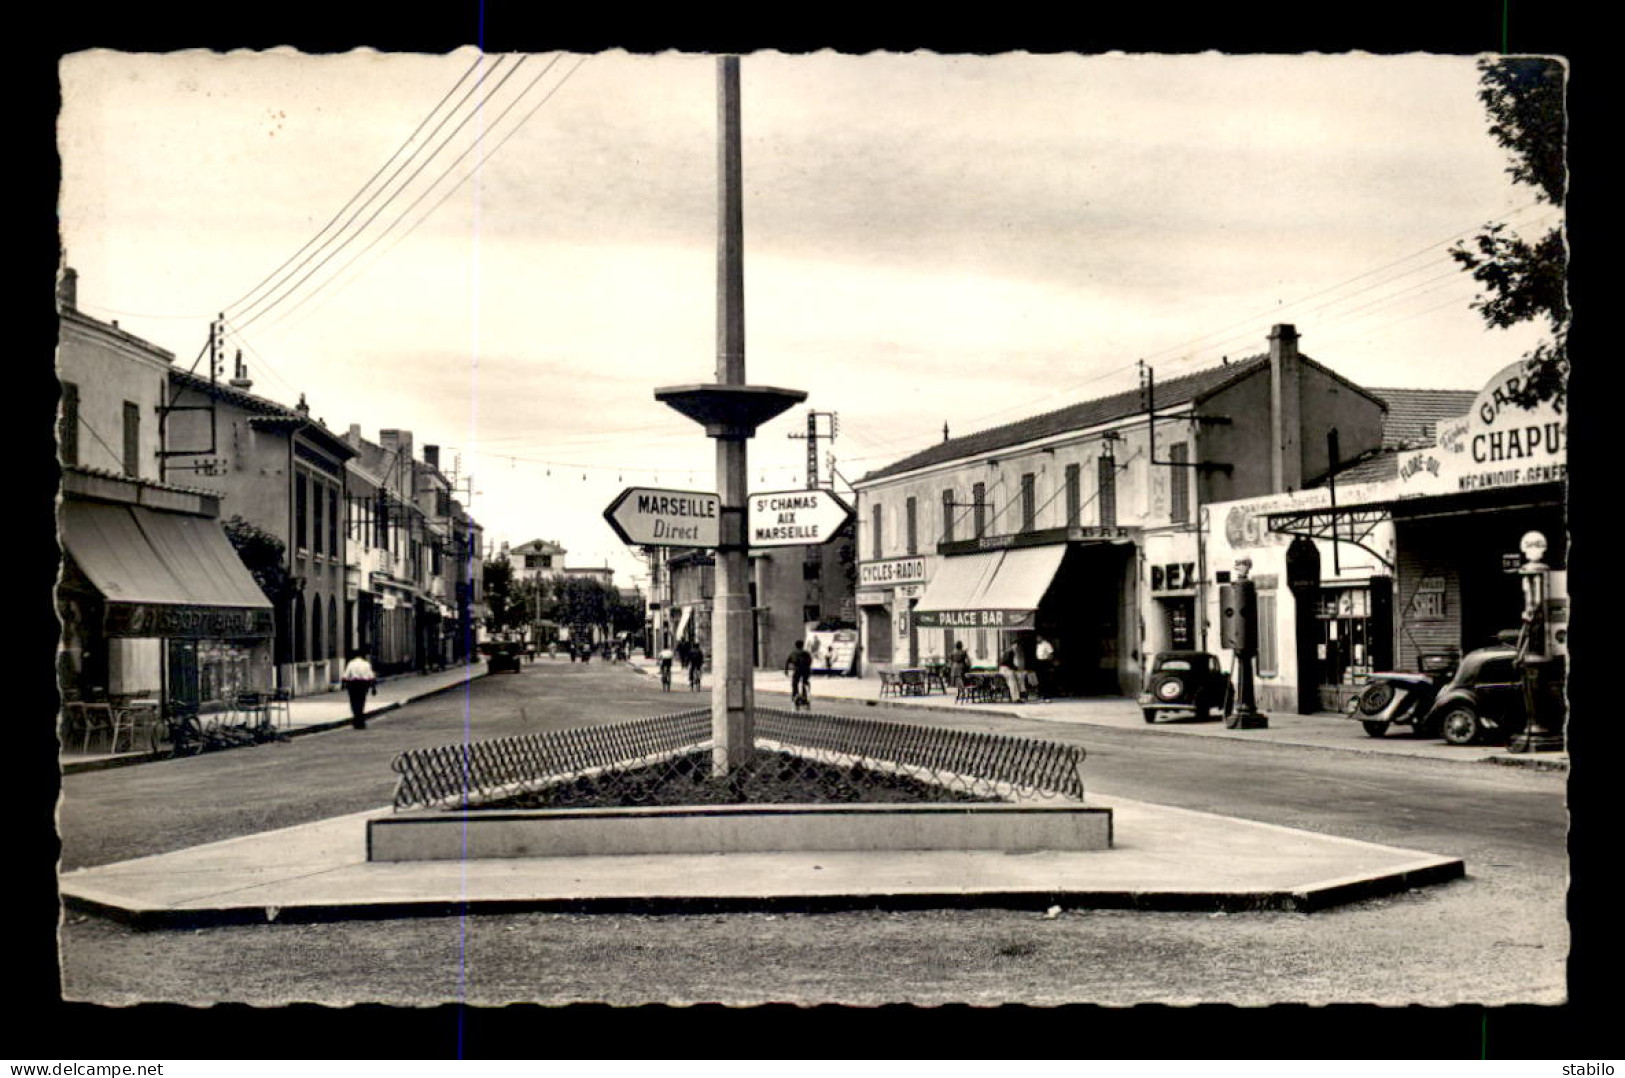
(241, 380)
(67, 289)
(302, 408)
(431, 456)
(397, 441)
(354, 437)
(1286, 419)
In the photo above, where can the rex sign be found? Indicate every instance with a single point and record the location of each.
(1499, 443)
(685, 518)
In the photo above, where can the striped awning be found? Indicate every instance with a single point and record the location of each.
(994, 590)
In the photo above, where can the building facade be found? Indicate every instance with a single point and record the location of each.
(1082, 526)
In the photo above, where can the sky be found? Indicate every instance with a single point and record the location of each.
(506, 254)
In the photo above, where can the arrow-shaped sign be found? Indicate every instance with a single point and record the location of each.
(794, 517)
(686, 518)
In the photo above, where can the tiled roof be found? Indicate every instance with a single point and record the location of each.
(1414, 414)
(107, 473)
(1412, 422)
(1082, 416)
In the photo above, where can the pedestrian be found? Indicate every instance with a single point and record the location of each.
(359, 680)
(799, 667)
(1044, 653)
(958, 664)
(1007, 670)
(695, 663)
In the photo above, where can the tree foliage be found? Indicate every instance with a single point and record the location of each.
(1524, 280)
(262, 554)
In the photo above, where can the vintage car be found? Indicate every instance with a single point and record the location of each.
(1393, 698)
(503, 656)
(1186, 681)
(1483, 700)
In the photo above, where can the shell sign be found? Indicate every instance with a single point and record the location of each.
(1500, 443)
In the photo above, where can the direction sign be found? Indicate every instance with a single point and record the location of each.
(794, 517)
(686, 518)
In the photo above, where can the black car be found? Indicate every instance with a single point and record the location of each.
(1181, 681)
(1484, 699)
(503, 656)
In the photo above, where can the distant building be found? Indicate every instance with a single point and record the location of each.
(539, 559)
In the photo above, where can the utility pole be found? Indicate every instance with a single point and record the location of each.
(812, 436)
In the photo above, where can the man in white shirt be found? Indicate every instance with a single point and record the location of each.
(359, 680)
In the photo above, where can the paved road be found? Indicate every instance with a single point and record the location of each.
(1500, 935)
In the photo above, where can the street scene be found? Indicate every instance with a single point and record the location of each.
(1114, 551)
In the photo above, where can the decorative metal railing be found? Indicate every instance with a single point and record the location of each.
(985, 764)
(802, 757)
(479, 771)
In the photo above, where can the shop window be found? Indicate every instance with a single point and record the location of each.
(947, 516)
(1179, 484)
(1268, 662)
(67, 431)
(981, 644)
(132, 438)
(1344, 615)
(1029, 502)
(911, 521)
(978, 497)
(1074, 496)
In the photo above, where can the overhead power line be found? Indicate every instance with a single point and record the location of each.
(478, 60)
(430, 188)
(393, 196)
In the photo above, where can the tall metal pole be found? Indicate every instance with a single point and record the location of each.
(732, 691)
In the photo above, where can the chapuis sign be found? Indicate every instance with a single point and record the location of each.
(1499, 443)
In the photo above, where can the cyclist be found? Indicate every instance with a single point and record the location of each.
(799, 667)
(696, 663)
(665, 670)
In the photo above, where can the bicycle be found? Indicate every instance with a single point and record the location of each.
(665, 677)
(694, 678)
(801, 694)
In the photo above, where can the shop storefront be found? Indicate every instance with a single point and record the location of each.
(157, 604)
(889, 590)
(1075, 587)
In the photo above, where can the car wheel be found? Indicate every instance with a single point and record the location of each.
(1460, 725)
(1150, 714)
(1375, 699)
(1375, 729)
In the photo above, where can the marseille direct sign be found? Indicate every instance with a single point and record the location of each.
(1497, 444)
(685, 518)
(794, 517)
(974, 619)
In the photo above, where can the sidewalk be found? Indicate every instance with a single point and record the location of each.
(1327, 730)
(314, 713)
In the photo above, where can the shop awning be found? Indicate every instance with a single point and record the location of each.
(164, 574)
(996, 590)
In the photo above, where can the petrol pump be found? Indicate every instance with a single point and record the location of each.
(1542, 647)
(1238, 631)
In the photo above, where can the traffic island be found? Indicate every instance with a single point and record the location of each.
(1019, 834)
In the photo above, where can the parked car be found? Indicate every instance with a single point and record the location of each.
(1483, 700)
(1181, 681)
(504, 656)
(1393, 698)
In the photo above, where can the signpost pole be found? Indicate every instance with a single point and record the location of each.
(733, 702)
